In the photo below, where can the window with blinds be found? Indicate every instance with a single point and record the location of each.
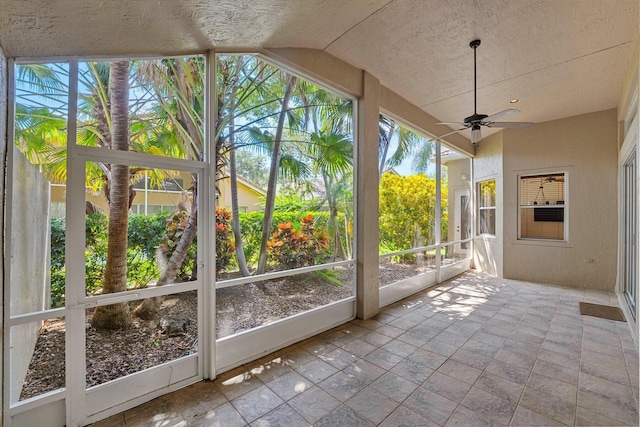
(543, 206)
(487, 207)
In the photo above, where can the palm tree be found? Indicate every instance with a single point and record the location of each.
(311, 111)
(253, 92)
(178, 86)
(230, 76)
(242, 92)
(331, 154)
(42, 137)
(116, 316)
(408, 143)
(40, 114)
(108, 121)
(273, 176)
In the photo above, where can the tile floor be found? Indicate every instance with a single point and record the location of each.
(475, 351)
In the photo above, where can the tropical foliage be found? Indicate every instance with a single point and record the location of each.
(224, 242)
(145, 234)
(272, 127)
(398, 144)
(408, 211)
(152, 239)
(291, 248)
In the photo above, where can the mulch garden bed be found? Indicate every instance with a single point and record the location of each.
(114, 354)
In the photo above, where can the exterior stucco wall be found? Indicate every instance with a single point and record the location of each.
(488, 165)
(29, 275)
(584, 147)
(247, 197)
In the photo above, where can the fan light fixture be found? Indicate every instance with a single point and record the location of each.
(475, 133)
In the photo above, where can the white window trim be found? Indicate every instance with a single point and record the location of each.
(485, 208)
(565, 206)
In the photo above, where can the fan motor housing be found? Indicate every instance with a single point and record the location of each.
(475, 118)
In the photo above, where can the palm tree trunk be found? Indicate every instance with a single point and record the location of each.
(235, 214)
(235, 220)
(116, 316)
(149, 308)
(338, 248)
(273, 177)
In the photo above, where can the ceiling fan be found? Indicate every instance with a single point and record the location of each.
(476, 121)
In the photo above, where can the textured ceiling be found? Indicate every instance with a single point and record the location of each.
(559, 57)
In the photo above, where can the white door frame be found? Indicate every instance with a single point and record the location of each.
(462, 248)
(88, 405)
(626, 266)
(74, 404)
(629, 239)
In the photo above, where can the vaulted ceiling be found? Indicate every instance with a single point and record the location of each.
(558, 57)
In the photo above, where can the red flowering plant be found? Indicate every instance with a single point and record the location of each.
(224, 243)
(291, 248)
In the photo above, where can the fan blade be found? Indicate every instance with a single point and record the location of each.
(510, 125)
(501, 114)
(452, 123)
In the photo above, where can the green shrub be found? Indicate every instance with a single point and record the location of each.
(144, 238)
(146, 232)
(96, 229)
(408, 211)
(150, 235)
(58, 269)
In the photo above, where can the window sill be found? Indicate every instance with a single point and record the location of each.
(543, 242)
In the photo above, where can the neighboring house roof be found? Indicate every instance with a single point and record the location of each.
(255, 187)
(391, 170)
(248, 183)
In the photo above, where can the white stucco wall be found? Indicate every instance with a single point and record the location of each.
(30, 242)
(585, 147)
(487, 165)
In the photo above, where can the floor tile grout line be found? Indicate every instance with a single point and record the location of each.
(483, 371)
(529, 377)
(458, 321)
(578, 392)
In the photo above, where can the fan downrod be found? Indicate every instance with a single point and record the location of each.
(474, 45)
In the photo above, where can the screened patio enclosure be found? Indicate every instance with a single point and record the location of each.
(197, 289)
